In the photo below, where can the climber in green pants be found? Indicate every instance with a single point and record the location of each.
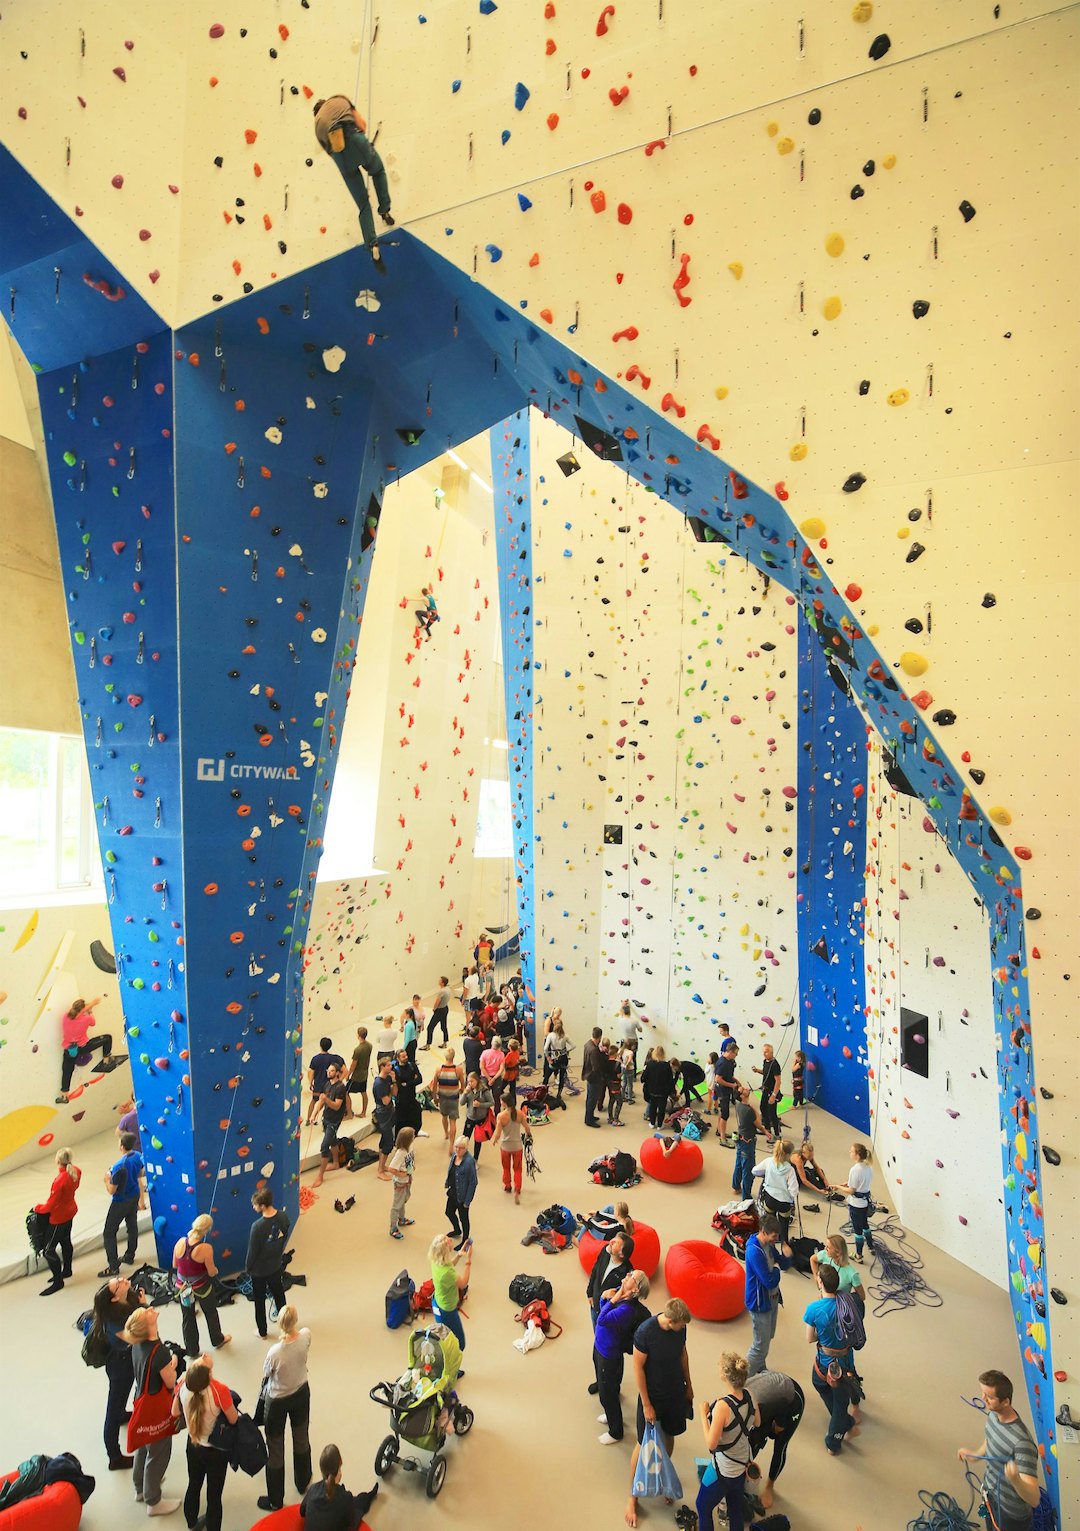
(340, 130)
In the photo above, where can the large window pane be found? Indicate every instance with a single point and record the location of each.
(72, 870)
(27, 811)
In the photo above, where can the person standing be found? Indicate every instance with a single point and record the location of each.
(193, 1260)
(155, 1368)
(407, 1107)
(319, 1068)
(662, 1374)
(726, 1425)
(360, 1068)
(511, 1134)
(472, 1048)
(765, 1259)
(627, 1026)
(114, 1304)
(479, 1104)
(439, 1012)
(492, 1060)
(265, 1253)
(126, 1185)
(449, 1285)
(726, 1085)
(340, 130)
(628, 1064)
(202, 1401)
(401, 1164)
(780, 1184)
(60, 1208)
(332, 1101)
(286, 1399)
(557, 1054)
(511, 1068)
(460, 1183)
(770, 1092)
(610, 1270)
(823, 1331)
(470, 991)
(77, 1042)
(386, 1038)
(1011, 1484)
(410, 1031)
(798, 1078)
(657, 1086)
(446, 1086)
(128, 1121)
(592, 1073)
(383, 1095)
(835, 1254)
(613, 1084)
(780, 1403)
(857, 1191)
(747, 1122)
(622, 1312)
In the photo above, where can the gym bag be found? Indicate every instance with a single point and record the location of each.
(151, 1413)
(536, 1312)
(526, 1289)
(399, 1300)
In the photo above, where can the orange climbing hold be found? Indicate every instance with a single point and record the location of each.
(575, 377)
(250, 135)
(534, 258)
(657, 143)
(738, 485)
(256, 169)
(553, 120)
(550, 46)
(237, 268)
(549, 11)
(599, 201)
(705, 434)
(193, 359)
(264, 325)
(547, 316)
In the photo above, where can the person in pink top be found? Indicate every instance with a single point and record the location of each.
(61, 1209)
(491, 1070)
(77, 1040)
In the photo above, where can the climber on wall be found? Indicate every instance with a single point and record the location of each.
(340, 130)
(77, 1042)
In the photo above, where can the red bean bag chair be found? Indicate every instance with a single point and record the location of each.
(646, 1256)
(289, 1519)
(684, 1163)
(710, 1282)
(57, 1508)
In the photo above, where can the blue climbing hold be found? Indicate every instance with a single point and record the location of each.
(487, 6)
(505, 135)
(455, 86)
(494, 253)
(523, 202)
(521, 95)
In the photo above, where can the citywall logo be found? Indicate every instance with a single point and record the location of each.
(209, 769)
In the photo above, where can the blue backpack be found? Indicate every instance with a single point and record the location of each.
(399, 1300)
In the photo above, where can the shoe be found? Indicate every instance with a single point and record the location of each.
(506, 1190)
(396, 1233)
(594, 1388)
(128, 1260)
(350, 1204)
(138, 1498)
(407, 1222)
(423, 1134)
(110, 1270)
(226, 1339)
(118, 1464)
(601, 1419)
(53, 1286)
(607, 1439)
(592, 1124)
(388, 219)
(163, 1507)
(259, 1335)
(66, 1274)
(338, 1205)
(264, 1502)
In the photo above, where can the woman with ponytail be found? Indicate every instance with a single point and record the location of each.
(61, 1210)
(193, 1260)
(328, 1505)
(286, 1399)
(201, 1400)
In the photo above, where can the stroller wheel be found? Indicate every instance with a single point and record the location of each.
(386, 1455)
(436, 1476)
(463, 1419)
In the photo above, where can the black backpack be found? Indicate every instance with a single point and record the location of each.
(526, 1289)
(624, 1168)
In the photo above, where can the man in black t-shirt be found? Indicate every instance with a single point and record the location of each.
(726, 1083)
(332, 1101)
(384, 1113)
(662, 1374)
(265, 1251)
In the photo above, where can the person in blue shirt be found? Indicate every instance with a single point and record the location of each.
(126, 1185)
(621, 1313)
(764, 1262)
(823, 1332)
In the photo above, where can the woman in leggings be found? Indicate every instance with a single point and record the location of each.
(202, 1401)
(781, 1404)
(781, 1185)
(287, 1399)
(858, 1197)
(61, 1209)
(726, 1425)
(193, 1259)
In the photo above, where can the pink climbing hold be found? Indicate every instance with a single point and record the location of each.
(118, 181)
(118, 548)
(602, 24)
(625, 212)
(144, 235)
(217, 30)
(791, 791)
(154, 276)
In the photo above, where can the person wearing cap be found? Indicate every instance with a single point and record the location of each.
(342, 133)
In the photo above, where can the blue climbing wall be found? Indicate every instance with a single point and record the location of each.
(225, 608)
(511, 481)
(832, 856)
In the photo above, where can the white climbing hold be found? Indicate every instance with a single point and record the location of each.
(332, 358)
(273, 435)
(318, 635)
(367, 299)
(320, 491)
(296, 551)
(320, 698)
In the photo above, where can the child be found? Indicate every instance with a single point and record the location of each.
(710, 1083)
(400, 1166)
(798, 1076)
(613, 1074)
(628, 1061)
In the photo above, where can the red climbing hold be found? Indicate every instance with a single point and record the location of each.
(630, 333)
(553, 120)
(625, 213)
(780, 490)
(669, 401)
(599, 201)
(923, 700)
(617, 97)
(550, 46)
(635, 371)
(118, 181)
(121, 74)
(853, 591)
(704, 434)
(217, 30)
(738, 486)
(549, 11)
(106, 289)
(602, 24)
(657, 143)
(250, 135)
(682, 281)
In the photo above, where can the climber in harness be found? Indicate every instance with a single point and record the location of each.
(726, 1425)
(342, 133)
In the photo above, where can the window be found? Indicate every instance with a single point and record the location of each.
(494, 823)
(47, 839)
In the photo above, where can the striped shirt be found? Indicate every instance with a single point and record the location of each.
(448, 1089)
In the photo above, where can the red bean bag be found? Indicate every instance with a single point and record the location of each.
(685, 1162)
(646, 1256)
(289, 1519)
(710, 1282)
(57, 1508)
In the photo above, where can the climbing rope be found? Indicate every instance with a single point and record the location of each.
(897, 1282)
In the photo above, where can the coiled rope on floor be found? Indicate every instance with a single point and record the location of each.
(896, 1279)
(941, 1512)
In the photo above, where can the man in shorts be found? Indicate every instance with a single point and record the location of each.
(333, 1103)
(726, 1085)
(359, 1068)
(662, 1374)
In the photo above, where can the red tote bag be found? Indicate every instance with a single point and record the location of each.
(151, 1414)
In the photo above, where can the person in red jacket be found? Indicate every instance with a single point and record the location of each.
(61, 1210)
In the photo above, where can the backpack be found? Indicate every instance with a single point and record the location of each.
(424, 1296)
(624, 1167)
(399, 1300)
(536, 1312)
(801, 1250)
(560, 1220)
(38, 1230)
(603, 1171)
(849, 1320)
(526, 1289)
(95, 1347)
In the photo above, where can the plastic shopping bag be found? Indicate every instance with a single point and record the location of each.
(532, 1339)
(654, 1476)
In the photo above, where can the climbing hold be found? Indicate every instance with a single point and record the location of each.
(864, 388)
(602, 24)
(617, 97)
(862, 11)
(487, 7)
(721, 392)
(834, 244)
(553, 120)
(118, 181)
(494, 253)
(523, 202)
(832, 307)
(624, 212)
(704, 434)
(880, 46)
(888, 162)
(988, 601)
(945, 717)
(1000, 815)
(780, 490)
(917, 550)
(923, 700)
(785, 145)
(853, 592)
(814, 117)
(853, 483)
(1051, 1155)
(598, 201)
(967, 211)
(217, 30)
(913, 664)
(521, 95)
(798, 451)
(739, 486)
(812, 528)
(920, 308)
(736, 269)
(898, 396)
(857, 192)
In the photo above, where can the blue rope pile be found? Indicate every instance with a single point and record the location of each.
(897, 1282)
(941, 1512)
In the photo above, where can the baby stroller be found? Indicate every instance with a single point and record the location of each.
(424, 1408)
(735, 1222)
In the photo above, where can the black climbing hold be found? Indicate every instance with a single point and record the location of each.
(1058, 1295)
(282, 246)
(920, 308)
(914, 515)
(820, 948)
(869, 167)
(603, 443)
(243, 31)
(219, 160)
(1007, 335)
(248, 287)
(854, 482)
(240, 202)
(989, 600)
(272, 52)
(967, 211)
(294, 90)
(309, 163)
(1051, 1155)
(913, 625)
(864, 387)
(1045, 1093)
(1033, 913)
(568, 463)
(102, 958)
(240, 218)
(995, 838)
(978, 776)
(944, 717)
(880, 46)
(814, 117)
(857, 192)
(917, 551)
(218, 297)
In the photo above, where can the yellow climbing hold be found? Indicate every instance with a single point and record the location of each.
(873, 630)
(813, 528)
(772, 129)
(785, 146)
(1001, 815)
(899, 396)
(28, 931)
(834, 244)
(903, 532)
(798, 451)
(831, 307)
(889, 162)
(862, 11)
(736, 269)
(913, 664)
(721, 392)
